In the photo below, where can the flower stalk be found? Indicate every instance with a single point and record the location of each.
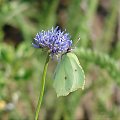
(42, 87)
(57, 42)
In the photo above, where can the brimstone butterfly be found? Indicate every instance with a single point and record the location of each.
(69, 75)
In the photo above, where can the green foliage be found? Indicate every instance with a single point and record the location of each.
(102, 60)
(21, 65)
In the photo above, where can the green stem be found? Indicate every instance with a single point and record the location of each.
(42, 88)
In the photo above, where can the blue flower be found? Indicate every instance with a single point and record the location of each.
(54, 40)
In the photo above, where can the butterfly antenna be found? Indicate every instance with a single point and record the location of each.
(77, 41)
(73, 47)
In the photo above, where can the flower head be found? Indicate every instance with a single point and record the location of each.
(55, 40)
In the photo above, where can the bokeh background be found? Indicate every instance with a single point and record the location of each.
(96, 22)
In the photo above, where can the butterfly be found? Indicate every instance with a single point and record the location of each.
(69, 75)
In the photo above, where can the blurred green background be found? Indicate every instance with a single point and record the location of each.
(97, 22)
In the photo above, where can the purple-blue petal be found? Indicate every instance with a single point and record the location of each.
(55, 40)
(35, 46)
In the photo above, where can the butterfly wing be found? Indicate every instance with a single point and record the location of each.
(60, 79)
(77, 76)
(68, 75)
